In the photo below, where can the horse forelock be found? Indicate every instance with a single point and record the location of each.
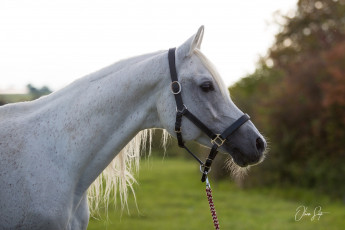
(214, 72)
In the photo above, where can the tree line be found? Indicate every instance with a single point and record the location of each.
(297, 98)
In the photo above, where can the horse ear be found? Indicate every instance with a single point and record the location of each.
(194, 42)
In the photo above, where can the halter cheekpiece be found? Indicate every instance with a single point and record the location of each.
(217, 140)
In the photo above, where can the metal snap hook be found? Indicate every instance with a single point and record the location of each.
(202, 169)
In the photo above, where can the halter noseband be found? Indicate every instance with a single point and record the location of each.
(217, 140)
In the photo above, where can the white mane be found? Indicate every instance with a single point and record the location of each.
(117, 179)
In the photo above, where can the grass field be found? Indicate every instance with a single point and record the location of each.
(11, 98)
(171, 196)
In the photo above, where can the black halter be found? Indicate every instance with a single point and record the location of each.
(217, 140)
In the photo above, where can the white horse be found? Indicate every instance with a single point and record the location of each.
(52, 149)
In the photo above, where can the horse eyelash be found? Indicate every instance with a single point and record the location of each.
(207, 86)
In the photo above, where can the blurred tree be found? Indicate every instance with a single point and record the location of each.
(310, 50)
(303, 96)
(36, 93)
(316, 26)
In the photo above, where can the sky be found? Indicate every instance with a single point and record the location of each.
(53, 43)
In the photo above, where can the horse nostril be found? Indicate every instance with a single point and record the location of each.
(260, 145)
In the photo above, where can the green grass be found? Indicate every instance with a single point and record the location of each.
(12, 98)
(171, 196)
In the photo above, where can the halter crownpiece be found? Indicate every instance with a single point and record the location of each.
(217, 140)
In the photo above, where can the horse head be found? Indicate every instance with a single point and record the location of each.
(205, 95)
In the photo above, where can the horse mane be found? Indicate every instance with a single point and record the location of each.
(117, 179)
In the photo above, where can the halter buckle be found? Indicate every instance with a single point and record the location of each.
(218, 140)
(182, 111)
(177, 130)
(173, 87)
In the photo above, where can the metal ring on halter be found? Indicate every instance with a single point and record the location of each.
(179, 87)
(203, 171)
(184, 108)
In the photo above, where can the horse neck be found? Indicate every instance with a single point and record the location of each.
(101, 113)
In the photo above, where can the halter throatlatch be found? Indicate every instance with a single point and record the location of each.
(217, 140)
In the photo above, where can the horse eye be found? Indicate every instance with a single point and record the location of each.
(207, 86)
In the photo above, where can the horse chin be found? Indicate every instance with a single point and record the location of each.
(237, 159)
(241, 159)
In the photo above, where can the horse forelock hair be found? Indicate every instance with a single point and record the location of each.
(117, 179)
(214, 72)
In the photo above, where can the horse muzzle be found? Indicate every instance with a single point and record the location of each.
(246, 151)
